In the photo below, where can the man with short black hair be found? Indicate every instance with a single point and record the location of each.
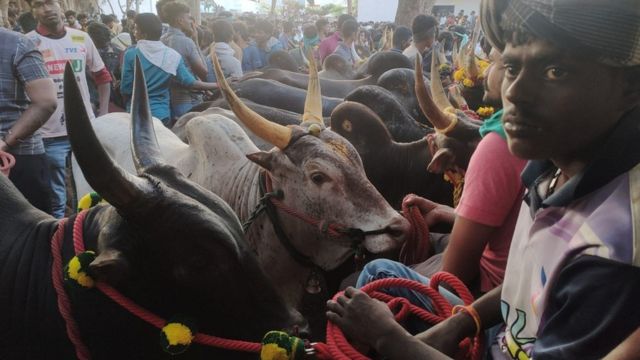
(401, 39)
(182, 36)
(425, 31)
(58, 46)
(223, 35)
(72, 22)
(345, 48)
(571, 98)
(330, 43)
(160, 64)
(265, 41)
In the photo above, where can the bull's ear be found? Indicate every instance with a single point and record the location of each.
(442, 160)
(109, 266)
(265, 159)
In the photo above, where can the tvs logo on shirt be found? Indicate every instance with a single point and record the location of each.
(56, 67)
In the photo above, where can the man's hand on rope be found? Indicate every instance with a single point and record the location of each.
(433, 212)
(362, 318)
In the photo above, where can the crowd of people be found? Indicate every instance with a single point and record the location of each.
(566, 100)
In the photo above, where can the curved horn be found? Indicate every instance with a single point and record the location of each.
(429, 108)
(271, 132)
(144, 144)
(455, 57)
(112, 182)
(441, 57)
(470, 57)
(437, 90)
(313, 102)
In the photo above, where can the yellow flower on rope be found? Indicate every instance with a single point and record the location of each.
(177, 334)
(468, 83)
(485, 111)
(76, 269)
(459, 75)
(176, 337)
(277, 345)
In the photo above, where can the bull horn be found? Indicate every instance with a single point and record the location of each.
(271, 132)
(144, 144)
(441, 57)
(437, 90)
(429, 107)
(112, 182)
(455, 57)
(313, 102)
(470, 56)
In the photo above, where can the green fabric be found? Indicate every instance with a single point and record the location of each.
(493, 124)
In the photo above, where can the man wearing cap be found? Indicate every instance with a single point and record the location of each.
(571, 98)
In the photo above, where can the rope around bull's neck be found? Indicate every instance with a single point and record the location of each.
(337, 347)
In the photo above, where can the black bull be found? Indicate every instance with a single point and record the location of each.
(162, 242)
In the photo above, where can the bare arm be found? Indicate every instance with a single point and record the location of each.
(446, 335)
(104, 94)
(201, 85)
(466, 244)
(42, 93)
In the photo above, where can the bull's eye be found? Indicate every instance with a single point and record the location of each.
(318, 178)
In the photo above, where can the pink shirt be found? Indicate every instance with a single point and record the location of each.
(492, 196)
(329, 45)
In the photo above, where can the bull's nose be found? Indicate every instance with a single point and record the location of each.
(300, 326)
(398, 228)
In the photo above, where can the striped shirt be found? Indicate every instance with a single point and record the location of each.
(573, 275)
(20, 63)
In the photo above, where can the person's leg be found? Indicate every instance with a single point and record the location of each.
(57, 150)
(383, 268)
(31, 176)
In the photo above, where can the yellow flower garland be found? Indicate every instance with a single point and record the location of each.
(76, 269)
(461, 75)
(485, 111)
(177, 334)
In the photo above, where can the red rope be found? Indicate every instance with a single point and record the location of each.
(64, 305)
(337, 346)
(417, 247)
(7, 161)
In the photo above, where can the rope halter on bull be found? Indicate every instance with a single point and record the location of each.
(275, 345)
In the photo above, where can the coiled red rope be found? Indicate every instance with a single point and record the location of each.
(7, 161)
(338, 348)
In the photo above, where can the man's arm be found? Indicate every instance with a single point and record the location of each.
(42, 93)
(196, 61)
(466, 244)
(104, 94)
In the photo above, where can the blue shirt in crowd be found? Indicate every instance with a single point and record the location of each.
(157, 83)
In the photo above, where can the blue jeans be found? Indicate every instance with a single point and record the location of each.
(383, 268)
(57, 150)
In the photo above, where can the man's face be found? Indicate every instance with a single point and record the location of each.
(71, 19)
(493, 80)
(47, 12)
(557, 104)
(184, 24)
(261, 36)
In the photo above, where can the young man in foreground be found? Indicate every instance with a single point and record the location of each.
(571, 98)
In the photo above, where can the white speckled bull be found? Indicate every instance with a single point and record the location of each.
(319, 172)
